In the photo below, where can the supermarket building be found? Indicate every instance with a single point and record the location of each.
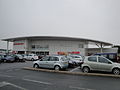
(47, 45)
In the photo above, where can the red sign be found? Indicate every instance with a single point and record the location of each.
(75, 52)
(65, 53)
(18, 43)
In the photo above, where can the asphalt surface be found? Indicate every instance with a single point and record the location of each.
(12, 77)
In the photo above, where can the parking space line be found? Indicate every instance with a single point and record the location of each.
(2, 84)
(74, 69)
(79, 88)
(3, 75)
(35, 81)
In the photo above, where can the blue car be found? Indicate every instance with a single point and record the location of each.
(110, 56)
(9, 58)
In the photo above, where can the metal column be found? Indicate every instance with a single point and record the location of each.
(7, 47)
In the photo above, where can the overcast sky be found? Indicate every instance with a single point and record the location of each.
(92, 19)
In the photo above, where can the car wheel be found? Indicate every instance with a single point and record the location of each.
(57, 68)
(36, 66)
(5, 61)
(85, 69)
(32, 59)
(116, 71)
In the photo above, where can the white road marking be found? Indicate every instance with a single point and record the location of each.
(35, 81)
(79, 88)
(2, 84)
(13, 70)
(74, 69)
(2, 75)
(9, 70)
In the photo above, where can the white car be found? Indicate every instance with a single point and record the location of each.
(31, 57)
(99, 63)
(54, 62)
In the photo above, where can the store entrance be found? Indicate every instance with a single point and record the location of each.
(42, 53)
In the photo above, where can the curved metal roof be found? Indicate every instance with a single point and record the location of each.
(57, 38)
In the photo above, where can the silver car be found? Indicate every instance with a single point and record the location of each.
(99, 63)
(55, 62)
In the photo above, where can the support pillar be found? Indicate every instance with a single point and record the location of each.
(101, 48)
(7, 47)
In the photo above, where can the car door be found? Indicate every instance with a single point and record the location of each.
(104, 64)
(92, 62)
(44, 62)
(53, 61)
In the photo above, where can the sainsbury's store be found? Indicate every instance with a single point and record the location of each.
(47, 45)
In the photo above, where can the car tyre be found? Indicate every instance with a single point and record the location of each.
(116, 71)
(32, 59)
(57, 68)
(5, 61)
(36, 66)
(86, 69)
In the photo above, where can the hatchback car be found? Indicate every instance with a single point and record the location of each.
(99, 63)
(31, 57)
(54, 62)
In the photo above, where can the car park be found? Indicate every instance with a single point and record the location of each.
(31, 57)
(100, 63)
(53, 62)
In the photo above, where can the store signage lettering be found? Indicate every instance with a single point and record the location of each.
(18, 43)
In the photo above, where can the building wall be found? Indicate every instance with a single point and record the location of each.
(98, 50)
(19, 45)
(52, 46)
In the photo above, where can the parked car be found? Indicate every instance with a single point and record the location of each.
(110, 56)
(31, 57)
(77, 59)
(2, 58)
(9, 58)
(19, 58)
(100, 63)
(71, 62)
(54, 62)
